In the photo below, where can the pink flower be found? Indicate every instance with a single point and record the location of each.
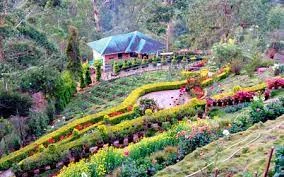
(126, 153)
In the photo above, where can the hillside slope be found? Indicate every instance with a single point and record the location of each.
(244, 153)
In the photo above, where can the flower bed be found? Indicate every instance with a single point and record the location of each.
(85, 122)
(187, 137)
(231, 98)
(105, 135)
(275, 83)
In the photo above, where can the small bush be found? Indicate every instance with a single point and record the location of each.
(13, 103)
(148, 112)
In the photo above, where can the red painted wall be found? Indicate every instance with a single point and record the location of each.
(110, 57)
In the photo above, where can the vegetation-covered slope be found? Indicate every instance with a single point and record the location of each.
(243, 153)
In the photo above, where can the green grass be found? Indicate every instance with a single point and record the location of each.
(277, 93)
(110, 93)
(249, 159)
(230, 82)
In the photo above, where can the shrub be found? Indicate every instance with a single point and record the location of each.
(98, 69)
(106, 119)
(82, 81)
(189, 141)
(145, 104)
(148, 112)
(115, 68)
(236, 67)
(235, 108)
(174, 60)
(105, 161)
(38, 122)
(41, 148)
(279, 161)
(75, 132)
(226, 52)
(275, 83)
(65, 88)
(240, 124)
(40, 79)
(237, 88)
(88, 79)
(13, 103)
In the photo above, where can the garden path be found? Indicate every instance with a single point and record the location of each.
(168, 98)
(7, 173)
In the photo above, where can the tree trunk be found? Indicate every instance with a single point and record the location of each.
(1, 49)
(170, 27)
(96, 15)
(169, 35)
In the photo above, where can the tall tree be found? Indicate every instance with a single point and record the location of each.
(210, 21)
(73, 53)
(97, 15)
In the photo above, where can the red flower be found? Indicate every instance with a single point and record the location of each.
(126, 153)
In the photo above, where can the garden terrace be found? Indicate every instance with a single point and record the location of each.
(87, 121)
(109, 134)
(156, 143)
(112, 134)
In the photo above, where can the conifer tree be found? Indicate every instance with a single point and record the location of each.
(73, 54)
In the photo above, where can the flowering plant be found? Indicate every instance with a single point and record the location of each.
(275, 83)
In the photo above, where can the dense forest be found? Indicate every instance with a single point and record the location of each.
(43, 44)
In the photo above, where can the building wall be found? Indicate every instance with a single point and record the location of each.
(109, 58)
(97, 56)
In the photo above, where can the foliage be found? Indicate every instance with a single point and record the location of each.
(118, 131)
(226, 52)
(65, 94)
(256, 62)
(145, 104)
(38, 79)
(38, 122)
(88, 79)
(39, 37)
(274, 17)
(279, 161)
(14, 103)
(115, 68)
(98, 70)
(260, 112)
(73, 53)
(189, 141)
(65, 89)
(207, 27)
(82, 81)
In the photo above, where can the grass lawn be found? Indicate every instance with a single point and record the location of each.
(232, 81)
(111, 93)
(249, 151)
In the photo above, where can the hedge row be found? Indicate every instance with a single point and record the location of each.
(256, 88)
(107, 134)
(108, 159)
(16, 156)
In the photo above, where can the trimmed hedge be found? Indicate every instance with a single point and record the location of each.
(6, 162)
(259, 87)
(107, 134)
(147, 146)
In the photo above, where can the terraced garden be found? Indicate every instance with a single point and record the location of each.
(111, 140)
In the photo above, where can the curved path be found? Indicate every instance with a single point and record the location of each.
(168, 98)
